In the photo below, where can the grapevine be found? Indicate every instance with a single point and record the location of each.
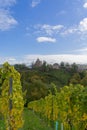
(13, 117)
(67, 106)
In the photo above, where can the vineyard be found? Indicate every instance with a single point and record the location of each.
(68, 107)
(11, 100)
(64, 109)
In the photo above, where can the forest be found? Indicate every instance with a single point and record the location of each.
(38, 78)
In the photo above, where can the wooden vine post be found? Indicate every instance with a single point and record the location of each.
(12, 103)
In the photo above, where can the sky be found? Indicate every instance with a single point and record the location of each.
(51, 30)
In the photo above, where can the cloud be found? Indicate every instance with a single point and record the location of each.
(59, 30)
(11, 60)
(85, 5)
(50, 59)
(82, 50)
(79, 59)
(51, 29)
(83, 25)
(81, 28)
(6, 3)
(62, 12)
(46, 39)
(48, 29)
(6, 20)
(35, 3)
(70, 30)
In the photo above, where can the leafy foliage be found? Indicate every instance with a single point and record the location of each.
(37, 79)
(11, 104)
(67, 106)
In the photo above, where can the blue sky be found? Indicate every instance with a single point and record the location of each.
(52, 30)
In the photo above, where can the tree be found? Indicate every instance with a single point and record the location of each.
(21, 67)
(84, 81)
(75, 79)
(37, 64)
(62, 65)
(74, 68)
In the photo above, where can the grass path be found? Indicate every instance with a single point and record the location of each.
(33, 122)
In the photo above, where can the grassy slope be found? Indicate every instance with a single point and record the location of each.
(2, 125)
(32, 122)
